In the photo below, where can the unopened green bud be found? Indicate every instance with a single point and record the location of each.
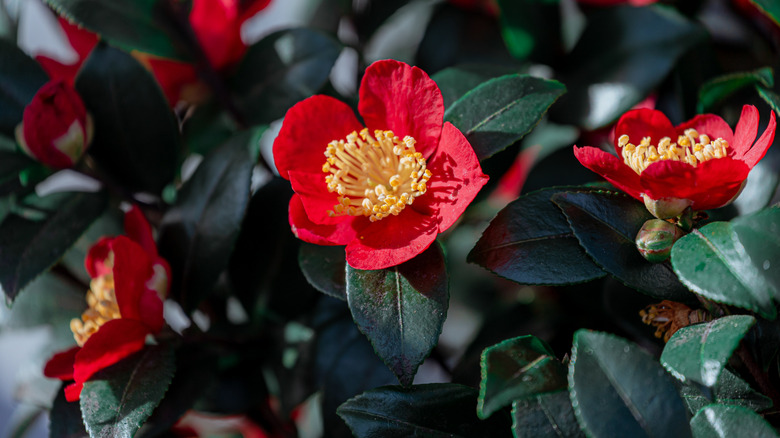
(656, 238)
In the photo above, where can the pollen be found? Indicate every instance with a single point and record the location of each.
(374, 176)
(690, 148)
(103, 307)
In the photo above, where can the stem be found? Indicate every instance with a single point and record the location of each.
(761, 378)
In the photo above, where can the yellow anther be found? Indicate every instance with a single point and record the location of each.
(103, 307)
(690, 148)
(623, 140)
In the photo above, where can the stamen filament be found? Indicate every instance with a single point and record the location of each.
(690, 148)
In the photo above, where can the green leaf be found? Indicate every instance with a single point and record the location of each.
(208, 127)
(530, 242)
(456, 81)
(606, 224)
(29, 246)
(433, 410)
(117, 401)
(136, 134)
(770, 8)
(281, 70)
(65, 417)
(325, 268)
(401, 309)
(617, 389)
(732, 263)
(516, 369)
(623, 54)
(545, 416)
(729, 421)
(769, 97)
(143, 25)
(716, 90)
(531, 28)
(503, 110)
(700, 352)
(197, 234)
(730, 390)
(20, 79)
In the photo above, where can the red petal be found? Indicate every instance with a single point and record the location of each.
(82, 40)
(60, 366)
(218, 30)
(132, 269)
(398, 97)
(73, 391)
(709, 124)
(57, 70)
(641, 123)
(392, 240)
(173, 76)
(139, 230)
(611, 168)
(340, 233)
(151, 309)
(757, 152)
(456, 178)
(247, 12)
(307, 129)
(114, 341)
(314, 194)
(95, 262)
(746, 131)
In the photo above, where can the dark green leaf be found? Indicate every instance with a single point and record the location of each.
(29, 246)
(545, 416)
(530, 242)
(716, 90)
(700, 352)
(136, 134)
(531, 28)
(65, 418)
(117, 401)
(606, 224)
(769, 8)
(433, 410)
(730, 390)
(197, 234)
(733, 263)
(281, 70)
(516, 369)
(208, 127)
(456, 81)
(143, 25)
(503, 110)
(730, 421)
(769, 97)
(619, 390)
(20, 79)
(623, 54)
(325, 268)
(401, 309)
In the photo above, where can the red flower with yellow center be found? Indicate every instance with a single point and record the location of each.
(385, 190)
(129, 282)
(701, 163)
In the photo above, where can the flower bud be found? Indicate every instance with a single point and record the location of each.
(55, 128)
(665, 208)
(656, 238)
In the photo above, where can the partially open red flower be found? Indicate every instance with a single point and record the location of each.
(129, 282)
(701, 163)
(385, 191)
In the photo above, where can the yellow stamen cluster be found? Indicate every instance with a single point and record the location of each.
(690, 148)
(374, 176)
(103, 307)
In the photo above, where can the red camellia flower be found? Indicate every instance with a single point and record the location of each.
(385, 190)
(129, 282)
(701, 163)
(55, 128)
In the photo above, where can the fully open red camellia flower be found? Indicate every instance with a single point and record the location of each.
(129, 282)
(385, 190)
(701, 163)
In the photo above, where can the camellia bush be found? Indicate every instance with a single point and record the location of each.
(472, 218)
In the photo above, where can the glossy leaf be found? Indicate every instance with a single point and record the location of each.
(531, 28)
(136, 134)
(769, 8)
(730, 390)
(325, 268)
(733, 263)
(119, 399)
(617, 389)
(29, 246)
(700, 352)
(606, 224)
(718, 89)
(530, 242)
(770, 97)
(143, 25)
(65, 418)
(20, 79)
(197, 234)
(456, 81)
(726, 421)
(545, 416)
(435, 410)
(281, 70)
(624, 53)
(517, 369)
(503, 110)
(401, 309)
